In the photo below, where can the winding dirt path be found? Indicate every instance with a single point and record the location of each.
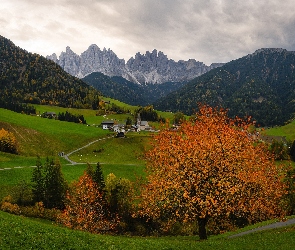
(66, 156)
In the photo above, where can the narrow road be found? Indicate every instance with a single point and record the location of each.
(267, 227)
(66, 156)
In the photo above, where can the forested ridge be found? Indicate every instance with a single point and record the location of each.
(260, 85)
(31, 78)
(134, 94)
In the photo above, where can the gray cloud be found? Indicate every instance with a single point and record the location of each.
(206, 30)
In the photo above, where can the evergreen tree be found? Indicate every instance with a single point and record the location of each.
(98, 178)
(292, 151)
(55, 185)
(22, 193)
(38, 182)
(128, 121)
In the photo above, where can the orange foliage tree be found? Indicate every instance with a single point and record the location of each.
(209, 167)
(85, 208)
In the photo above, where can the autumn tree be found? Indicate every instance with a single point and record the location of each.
(210, 167)
(84, 208)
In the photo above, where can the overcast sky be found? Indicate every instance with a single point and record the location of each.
(206, 30)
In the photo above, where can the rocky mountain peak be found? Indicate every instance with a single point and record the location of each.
(53, 57)
(151, 67)
(69, 51)
(93, 47)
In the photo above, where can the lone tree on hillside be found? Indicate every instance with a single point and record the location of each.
(211, 166)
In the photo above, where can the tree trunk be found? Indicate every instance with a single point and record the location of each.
(202, 222)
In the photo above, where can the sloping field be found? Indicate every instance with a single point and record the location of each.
(42, 136)
(22, 233)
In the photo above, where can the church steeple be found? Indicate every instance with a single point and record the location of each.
(138, 122)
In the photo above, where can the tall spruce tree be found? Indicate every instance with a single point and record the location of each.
(97, 176)
(55, 185)
(38, 182)
(292, 151)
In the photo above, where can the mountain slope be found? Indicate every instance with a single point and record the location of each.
(30, 78)
(123, 90)
(117, 88)
(261, 85)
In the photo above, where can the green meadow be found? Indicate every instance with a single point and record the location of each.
(287, 130)
(18, 232)
(42, 136)
(45, 137)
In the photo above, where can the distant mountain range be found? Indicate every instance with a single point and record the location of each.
(153, 67)
(261, 85)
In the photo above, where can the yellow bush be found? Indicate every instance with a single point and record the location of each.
(8, 142)
(36, 211)
(9, 207)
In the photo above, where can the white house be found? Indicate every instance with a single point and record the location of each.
(119, 128)
(107, 124)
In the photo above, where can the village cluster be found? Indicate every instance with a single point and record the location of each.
(121, 128)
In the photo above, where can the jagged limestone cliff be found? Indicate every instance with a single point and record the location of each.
(152, 67)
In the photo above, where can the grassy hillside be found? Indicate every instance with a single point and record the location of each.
(42, 136)
(287, 130)
(23, 233)
(114, 150)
